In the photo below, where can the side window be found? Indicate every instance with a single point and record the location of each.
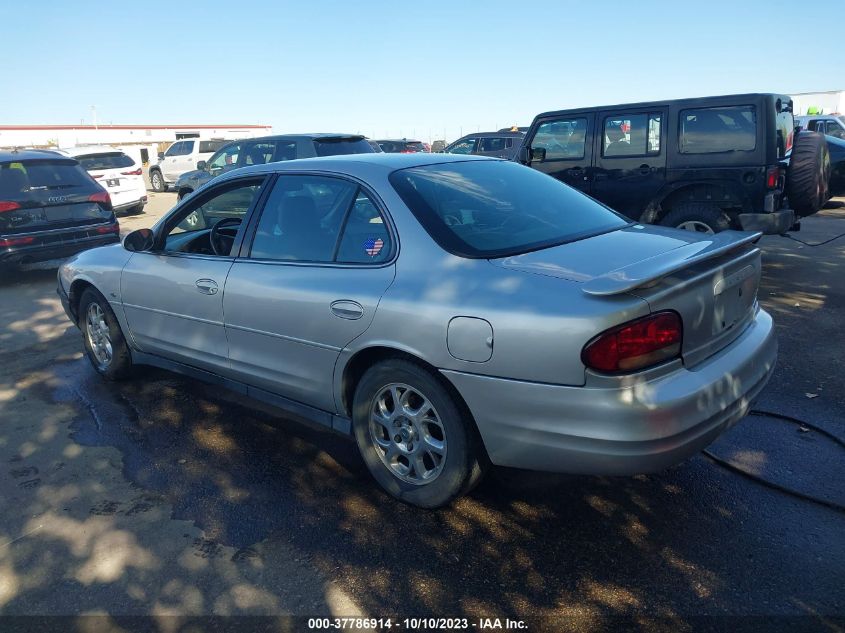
(365, 237)
(631, 135)
(834, 129)
(713, 130)
(492, 144)
(562, 139)
(229, 203)
(463, 147)
(816, 126)
(258, 153)
(302, 219)
(174, 150)
(187, 147)
(285, 150)
(227, 158)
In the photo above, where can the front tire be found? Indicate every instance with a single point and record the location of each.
(412, 435)
(105, 344)
(157, 181)
(697, 217)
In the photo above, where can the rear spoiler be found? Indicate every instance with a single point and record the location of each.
(650, 270)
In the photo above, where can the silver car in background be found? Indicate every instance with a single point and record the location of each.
(448, 312)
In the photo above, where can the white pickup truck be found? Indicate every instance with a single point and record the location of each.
(179, 158)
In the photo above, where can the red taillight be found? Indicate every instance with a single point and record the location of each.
(635, 345)
(112, 228)
(16, 241)
(137, 172)
(6, 205)
(772, 177)
(101, 197)
(95, 176)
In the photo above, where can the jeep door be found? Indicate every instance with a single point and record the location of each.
(319, 262)
(561, 146)
(630, 164)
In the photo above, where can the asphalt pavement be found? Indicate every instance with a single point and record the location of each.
(165, 496)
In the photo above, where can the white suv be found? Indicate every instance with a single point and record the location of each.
(116, 172)
(179, 158)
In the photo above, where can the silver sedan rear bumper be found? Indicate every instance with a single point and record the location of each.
(640, 427)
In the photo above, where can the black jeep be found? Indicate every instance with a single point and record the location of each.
(705, 164)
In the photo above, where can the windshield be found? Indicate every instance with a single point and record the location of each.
(337, 145)
(208, 147)
(112, 160)
(498, 208)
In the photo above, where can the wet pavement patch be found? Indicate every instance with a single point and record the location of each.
(788, 454)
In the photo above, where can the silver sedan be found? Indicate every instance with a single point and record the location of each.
(447, 312)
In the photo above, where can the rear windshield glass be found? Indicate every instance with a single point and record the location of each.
(414, 146)
(36, 175)
(209, 147)
(713, 130)
(337, 145)
(112, 160)
(498, 208)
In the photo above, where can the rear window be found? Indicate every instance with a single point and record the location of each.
(339, 145)
(209, 147)
(414, 146)
(715, 130)
(36, 175)
(498, 208)
(112, 160)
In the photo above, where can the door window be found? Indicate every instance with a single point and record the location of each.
(631, 135)
(492, 144)
(365, 237)
(562, 139)
(463, 147)
(191, 227)
(834, 129)
(175, 149)
(258, 153)
(227, 158)
(187, 147)
(285, 150)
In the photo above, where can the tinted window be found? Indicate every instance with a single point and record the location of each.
(175, 150)
(463, 147)
(365, 237)
(226, 159)
(302, 219)
(285, 150)
(208, 147)
(712, 130)
(335, 146)
(497, 208)
(492, 144)
(259, 153)
(187, 148)
(414, 146)
(113, 160)
(631, 135)
(20, 178)
(562, 139)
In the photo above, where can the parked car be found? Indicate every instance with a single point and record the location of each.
(50, 207)
(376, 147)
(831, 124)
(836, 147)
(438, 146)
(442, 310)
(117, 173)
(705, 164)
(270, 149)
(401, 146)
(181, 157)
(494, 144)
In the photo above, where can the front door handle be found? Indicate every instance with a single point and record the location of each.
(346, 309)
(207, 286)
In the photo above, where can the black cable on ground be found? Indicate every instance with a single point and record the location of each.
(794, 493)
(795, 239)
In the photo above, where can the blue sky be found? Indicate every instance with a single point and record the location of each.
(395, 68)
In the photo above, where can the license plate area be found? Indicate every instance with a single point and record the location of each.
(734, 296)
(113, 182)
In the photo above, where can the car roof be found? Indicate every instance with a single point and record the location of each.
(481, 134)
(397, 140)
(356, 164)
(17, 155)
(290, 137)
(86, 150)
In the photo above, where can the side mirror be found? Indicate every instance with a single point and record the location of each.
(201, 165)
(139, 241)
(161, 155)
(538, 154)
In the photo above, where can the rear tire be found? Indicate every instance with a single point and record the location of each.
(808, 175)
(697, 217)
(424, 453)
(157, 181)
(105, 344)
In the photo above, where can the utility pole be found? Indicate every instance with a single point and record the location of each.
(94, 115)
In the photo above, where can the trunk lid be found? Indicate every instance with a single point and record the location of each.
(711, 281)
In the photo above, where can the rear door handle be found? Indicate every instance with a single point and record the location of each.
(207, 286)
(645, 169)
(346, 309)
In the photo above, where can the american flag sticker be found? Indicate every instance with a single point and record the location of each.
(373, 246)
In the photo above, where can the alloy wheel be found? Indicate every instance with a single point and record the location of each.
(98, 334)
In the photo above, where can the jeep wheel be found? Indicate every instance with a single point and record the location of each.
(157, 181)
(697, 217)
(808, 175)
